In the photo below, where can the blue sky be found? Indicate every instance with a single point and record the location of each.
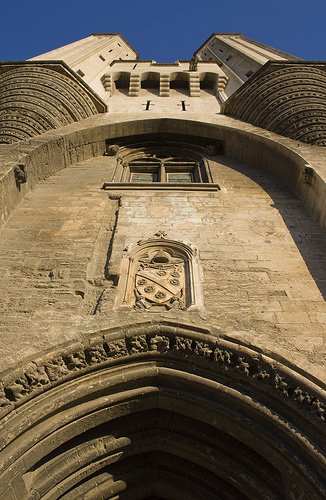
(164, 31)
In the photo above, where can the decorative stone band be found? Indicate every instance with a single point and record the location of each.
(286, 98)
(171, 343)
(36, 97)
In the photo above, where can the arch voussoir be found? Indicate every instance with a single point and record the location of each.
(74, 421)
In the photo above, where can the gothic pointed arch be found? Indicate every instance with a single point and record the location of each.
(161, 409)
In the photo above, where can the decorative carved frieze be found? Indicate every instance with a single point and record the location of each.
(174, 342)
(36, 97)
(286, 98)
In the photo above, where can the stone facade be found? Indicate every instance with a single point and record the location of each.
(163, 281)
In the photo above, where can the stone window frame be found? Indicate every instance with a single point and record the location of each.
(162, 161)
(125, 298)
(163, 168)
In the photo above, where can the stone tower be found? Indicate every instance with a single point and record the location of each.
(163, 274)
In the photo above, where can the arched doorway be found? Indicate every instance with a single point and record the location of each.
(162, 410)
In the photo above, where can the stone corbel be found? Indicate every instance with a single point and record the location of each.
(308, 175)
(112, 150)
(20, 173)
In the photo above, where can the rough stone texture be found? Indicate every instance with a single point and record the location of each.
(216, 392)
(260, 251)
(36, 97)
(287, 98)
(281, 157)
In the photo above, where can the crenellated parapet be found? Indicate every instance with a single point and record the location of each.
(134, 78)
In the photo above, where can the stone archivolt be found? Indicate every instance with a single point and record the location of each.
(35, 98)
(288, 99)
(157, 396)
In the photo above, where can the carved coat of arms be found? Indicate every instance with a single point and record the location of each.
(160, 282)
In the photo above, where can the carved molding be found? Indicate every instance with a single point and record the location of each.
(286, 98)
(202, 388)
(36, 97)
(263, 416)
(171, 341)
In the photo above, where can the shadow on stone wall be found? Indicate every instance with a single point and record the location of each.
(304, 230)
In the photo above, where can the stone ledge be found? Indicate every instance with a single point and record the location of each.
(167, 186)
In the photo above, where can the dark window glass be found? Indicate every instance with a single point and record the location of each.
(180, 177)
(144, 177)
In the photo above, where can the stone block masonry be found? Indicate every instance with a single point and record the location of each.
(260, 252)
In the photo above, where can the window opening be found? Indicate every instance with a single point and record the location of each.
(159, 170)
(144, 177)
(180, 177)
(167, 163)
(183, 105)
(101, 57)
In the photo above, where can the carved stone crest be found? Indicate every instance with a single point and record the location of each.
(159, 275)
(160, 281)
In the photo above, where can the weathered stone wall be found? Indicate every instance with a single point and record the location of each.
(252, 356)
(260, 252)
(55, 150)
(162, 340)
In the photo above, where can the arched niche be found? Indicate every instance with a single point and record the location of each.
(157, 154)
(209, 81)
(180, 82)
(150, 80)
(159, 275)
(277, 155)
